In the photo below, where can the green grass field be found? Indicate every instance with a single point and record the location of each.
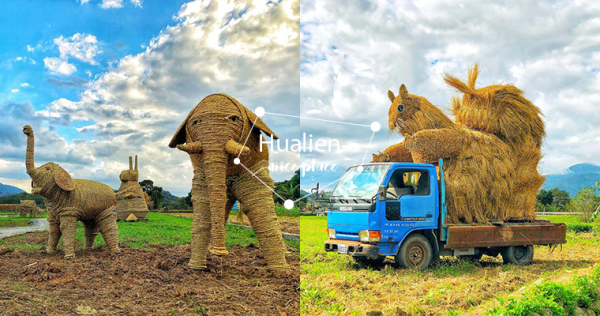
(13, 221)
(165, 229)
(333, 284)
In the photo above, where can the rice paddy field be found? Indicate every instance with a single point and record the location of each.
(333, 284)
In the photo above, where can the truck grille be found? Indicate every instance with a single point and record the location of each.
(346, 233)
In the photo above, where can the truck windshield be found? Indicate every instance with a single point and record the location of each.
(360, 184)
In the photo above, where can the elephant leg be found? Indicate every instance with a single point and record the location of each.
(107, 225)
(68, 226)
(201, 222)
(90, 232)
(53, 236)
(230, 202)
(260, 209)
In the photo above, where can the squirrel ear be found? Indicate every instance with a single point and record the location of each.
(64, 180)
(391, 96)
(403, 91)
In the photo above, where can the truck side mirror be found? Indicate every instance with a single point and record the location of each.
(381, 192)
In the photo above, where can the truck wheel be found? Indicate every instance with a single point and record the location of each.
(518, 255)
(415, 253)
(368, 261)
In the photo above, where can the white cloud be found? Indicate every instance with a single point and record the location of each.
(247, 50)
(25, 59)
(14, 90)
(111, 4)
(58, 66)
(81, 46)
(352, 53)
(25, 85)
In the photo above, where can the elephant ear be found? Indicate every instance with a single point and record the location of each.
(64, 180)
(180, 136)
(252, 118)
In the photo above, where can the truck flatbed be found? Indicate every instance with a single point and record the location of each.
(506, 234)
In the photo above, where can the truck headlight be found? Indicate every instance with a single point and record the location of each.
(372, 236)
(331, 233)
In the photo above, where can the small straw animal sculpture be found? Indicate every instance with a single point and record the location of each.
(131, 198)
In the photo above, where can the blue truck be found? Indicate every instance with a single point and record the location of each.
(397, 210)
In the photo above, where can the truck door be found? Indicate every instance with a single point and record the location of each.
(410, 203)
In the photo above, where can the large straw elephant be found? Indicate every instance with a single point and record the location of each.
(69, 201)
(213, 134)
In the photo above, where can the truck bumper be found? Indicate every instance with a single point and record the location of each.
(355, 248)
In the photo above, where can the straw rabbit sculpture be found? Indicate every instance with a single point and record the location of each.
(69, 201)
(213, 134)
(477, 165)
(131, 198)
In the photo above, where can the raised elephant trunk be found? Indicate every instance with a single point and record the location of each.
(29, 163)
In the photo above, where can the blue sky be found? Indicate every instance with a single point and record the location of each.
(101, 80)
(35, 24)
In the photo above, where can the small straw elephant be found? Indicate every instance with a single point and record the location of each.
(216, 132)
(69, 201)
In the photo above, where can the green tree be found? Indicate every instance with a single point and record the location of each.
(289, 189)
(586, 203)
(188, 199)
(544, 197)
(560, 198)
(154, 192)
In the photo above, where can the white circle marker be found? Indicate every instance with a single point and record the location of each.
(236, 161)
(360, 169)
(260, 111)
(375, 126)
(289, 204)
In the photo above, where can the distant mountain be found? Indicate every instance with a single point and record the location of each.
(574, 178)
(6, 190)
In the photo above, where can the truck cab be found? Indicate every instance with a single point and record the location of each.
(397, 209)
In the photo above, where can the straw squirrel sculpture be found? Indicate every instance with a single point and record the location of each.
(215, 133)
(491, 153)
(69, 201)
(477, 165)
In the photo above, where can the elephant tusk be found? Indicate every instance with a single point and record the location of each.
(191, 148)
(232, 147)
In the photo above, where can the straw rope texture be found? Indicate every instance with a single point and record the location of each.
(131, 199)
(69, 201)
(491, 152)
(217, 131)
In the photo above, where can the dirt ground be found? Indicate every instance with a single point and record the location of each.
(137, 282)
(289, 224)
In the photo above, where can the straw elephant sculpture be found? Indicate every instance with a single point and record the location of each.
(68, 201)
(217, 132)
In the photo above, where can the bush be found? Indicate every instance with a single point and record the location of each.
(585, 202)
(582, 292)
(579, 228)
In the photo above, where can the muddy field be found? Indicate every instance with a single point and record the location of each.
(141, 282)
